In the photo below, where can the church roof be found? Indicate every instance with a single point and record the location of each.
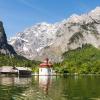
(46, 63)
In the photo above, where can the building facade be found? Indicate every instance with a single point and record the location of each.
(45, 68)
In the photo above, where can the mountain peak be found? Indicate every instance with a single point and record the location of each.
(5, 48)
(74, 18)
(52, 40)
(96, 10)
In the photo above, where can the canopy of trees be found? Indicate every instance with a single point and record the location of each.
(6, 60)
(85, 60)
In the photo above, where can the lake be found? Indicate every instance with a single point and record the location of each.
(50, 88)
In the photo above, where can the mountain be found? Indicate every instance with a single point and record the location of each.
(5, 48)
(52, 40)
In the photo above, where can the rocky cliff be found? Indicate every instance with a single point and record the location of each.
(5, 48)
(52, 40)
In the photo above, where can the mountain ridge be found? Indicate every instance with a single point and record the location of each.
(52, 40)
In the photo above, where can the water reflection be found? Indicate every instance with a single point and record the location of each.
(14, 80)
(50, 88)
(44, 83)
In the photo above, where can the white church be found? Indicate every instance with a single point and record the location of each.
(45, 68)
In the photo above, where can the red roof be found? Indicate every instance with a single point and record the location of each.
(46, 63)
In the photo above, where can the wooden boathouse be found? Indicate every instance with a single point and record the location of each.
(21, 71)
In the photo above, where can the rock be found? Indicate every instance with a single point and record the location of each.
(5, 48)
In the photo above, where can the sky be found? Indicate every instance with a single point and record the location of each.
(20, 14)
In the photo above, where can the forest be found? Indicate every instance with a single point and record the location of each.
(19, 61)
(83, 60)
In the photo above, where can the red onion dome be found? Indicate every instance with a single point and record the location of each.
(46, 63)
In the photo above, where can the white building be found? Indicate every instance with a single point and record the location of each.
(45, 68)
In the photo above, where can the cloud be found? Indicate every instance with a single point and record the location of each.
(31, 4)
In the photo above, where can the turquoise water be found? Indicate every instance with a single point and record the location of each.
(50, 88)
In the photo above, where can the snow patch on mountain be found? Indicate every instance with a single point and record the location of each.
(52, 40)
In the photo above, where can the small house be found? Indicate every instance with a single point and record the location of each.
(24, 71)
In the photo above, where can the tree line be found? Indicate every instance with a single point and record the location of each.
(83, 60)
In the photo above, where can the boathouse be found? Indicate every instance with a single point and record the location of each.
(45, 68)
(22, 71)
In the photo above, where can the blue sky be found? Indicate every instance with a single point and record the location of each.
(20, 14)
